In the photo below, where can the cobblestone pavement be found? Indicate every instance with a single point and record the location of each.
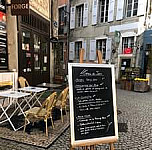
(135, 109)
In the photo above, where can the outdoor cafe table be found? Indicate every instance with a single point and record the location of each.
(36, 92)
(51, 86)
(14, 97)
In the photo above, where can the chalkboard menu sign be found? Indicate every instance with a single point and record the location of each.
(93, 114)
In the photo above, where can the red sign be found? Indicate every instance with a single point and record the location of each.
(127, 50)
(2, 17)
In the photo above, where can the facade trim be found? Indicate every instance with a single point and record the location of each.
(128, 26)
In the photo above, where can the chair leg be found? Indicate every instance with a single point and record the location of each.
(52, 122)
(65, 110)
(25, 125)
(46, 127)
(61, 115)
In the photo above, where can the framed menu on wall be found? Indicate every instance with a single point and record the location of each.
(93, 114)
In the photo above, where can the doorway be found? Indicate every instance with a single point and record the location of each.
(125, 63)
(34, 57)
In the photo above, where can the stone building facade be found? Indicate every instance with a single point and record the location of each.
(112, 26)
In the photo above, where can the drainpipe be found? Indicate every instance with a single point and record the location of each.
(68, 34)
(51, 46)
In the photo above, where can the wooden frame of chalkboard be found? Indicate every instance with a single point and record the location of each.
(93, 111)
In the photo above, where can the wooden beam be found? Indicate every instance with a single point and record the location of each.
(81, 55)
(99, 55)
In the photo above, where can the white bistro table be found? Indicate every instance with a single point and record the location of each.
(17, 98)
(36, 92)
(50, 86)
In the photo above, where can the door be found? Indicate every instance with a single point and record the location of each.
(37, 74)
(58, 62)
(45, 60)
(25, 56)
(125, 63)
(41, 59)
(34, 58)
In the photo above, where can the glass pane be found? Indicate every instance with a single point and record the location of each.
(79, 15)
(36, 62)
(78, 45)
(36, 43)
(129, 14)
(26, 62)
(45, 61)
(26, 40)
(44, 50)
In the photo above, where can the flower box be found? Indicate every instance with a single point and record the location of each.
(141, 85)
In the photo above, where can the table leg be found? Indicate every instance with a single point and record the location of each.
(37, 98)
(8, 118)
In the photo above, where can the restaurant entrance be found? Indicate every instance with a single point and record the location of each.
(34, 50)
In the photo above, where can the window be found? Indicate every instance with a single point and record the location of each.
(44, 54)
(101, 45)
(127, 42)
(36, 43)
(62, 19)
(26, 40)
(131, 8)
(26, 52)
(35, 22)
(79, 15)
(103, 7)
(37, 49)
(78, 45)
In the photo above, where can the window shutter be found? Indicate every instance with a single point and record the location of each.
(111, 10)
(92, 50)
(141, 7)
(94, 12)
(72, 18)
(108, 48)
(85, 15)
(71, 51)
(84, 45)
(120, 5)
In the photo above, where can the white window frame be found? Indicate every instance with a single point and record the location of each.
(128, 42)
(132, 8)
(79, 22)
(102, 48)
(62, 18)
(106, 8)
(77, 50)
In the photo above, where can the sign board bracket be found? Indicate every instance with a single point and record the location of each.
(99, 56)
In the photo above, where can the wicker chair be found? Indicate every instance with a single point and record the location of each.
(42, 113)
(62, 101)
(23, 82)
